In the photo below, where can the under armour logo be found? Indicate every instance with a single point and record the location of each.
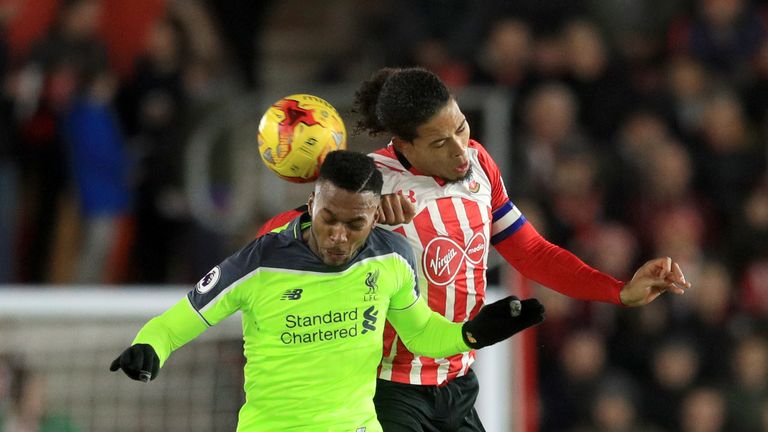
(411, 195)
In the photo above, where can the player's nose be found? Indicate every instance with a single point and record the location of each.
(338, 234)
(457, 147)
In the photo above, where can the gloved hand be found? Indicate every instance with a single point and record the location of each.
(500, 320)
(140, 362)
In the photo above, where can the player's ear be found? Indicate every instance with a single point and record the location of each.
(377, 214)
(310, 202)
(400, 143)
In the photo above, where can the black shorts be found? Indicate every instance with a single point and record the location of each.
(416, 408)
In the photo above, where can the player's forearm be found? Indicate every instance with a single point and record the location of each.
(426, 332)
(556, 268)
(169, 331)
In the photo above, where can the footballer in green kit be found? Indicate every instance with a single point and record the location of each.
(314, 299)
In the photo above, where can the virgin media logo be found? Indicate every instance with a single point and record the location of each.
(443, 257)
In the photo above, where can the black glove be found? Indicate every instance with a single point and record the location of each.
(500, 320)
(140, 362)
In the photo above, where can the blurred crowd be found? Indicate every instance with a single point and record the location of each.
(640, 130)
(91, 157)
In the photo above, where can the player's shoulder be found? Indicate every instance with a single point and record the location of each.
(270, 247)
(386, 161)
(385, 242)
(480, 156)
(281, 220)
(479, 150)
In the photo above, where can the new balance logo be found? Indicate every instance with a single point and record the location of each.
(294, 294)
(369, 319)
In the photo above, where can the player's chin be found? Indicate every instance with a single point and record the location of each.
(458, 176)
(335, 260)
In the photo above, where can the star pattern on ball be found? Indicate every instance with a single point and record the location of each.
(294, 114)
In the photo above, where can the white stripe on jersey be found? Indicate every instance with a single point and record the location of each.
(435, 217)
(466, 360)
(461, 211)
(443, 364)
(386, 365)
(413, 240)
(415, 375)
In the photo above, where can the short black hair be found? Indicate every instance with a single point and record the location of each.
(398, 101)
(352, 171)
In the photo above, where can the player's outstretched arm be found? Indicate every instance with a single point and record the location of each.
(428, 333)
(654, 278)
(155, 342)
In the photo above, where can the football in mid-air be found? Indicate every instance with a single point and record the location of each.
(295, 135)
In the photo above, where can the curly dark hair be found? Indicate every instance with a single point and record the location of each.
(352, 171)
(397, 101)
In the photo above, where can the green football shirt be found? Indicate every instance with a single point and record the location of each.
(312, 333)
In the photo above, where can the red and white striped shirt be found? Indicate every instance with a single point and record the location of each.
(454, 226)
(450, 236)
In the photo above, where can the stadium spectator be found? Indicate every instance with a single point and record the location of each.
(100, 169)
(550, 132)
(724, 34)
(569, 389)
(598, 80)
(731, 158)
(505, 54)
(755, 91)
(439, 35)
(576, 206)
(703, 409)
(615, 407)
(53, 73)
(675, 369)
(241, 23)
(664, 192)
(705, 318)
(688, 84)
(748, 390)
(155, 116)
